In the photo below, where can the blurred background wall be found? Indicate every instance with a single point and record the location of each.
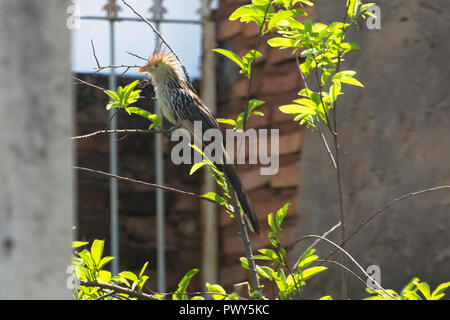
(395, 139)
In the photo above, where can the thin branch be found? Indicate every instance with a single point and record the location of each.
(160, 36)
(196, 293)
(343, 267)
(117, 289)
(244, 236)
(347, 255)
(170, 189)
(93, 134)
(250, 83)
(135, 55)
(338, 167)
(95, 55)
(337, 225)
(89, 84)
(324, 140)
(100, 68)
(376, 213)
(111, 293)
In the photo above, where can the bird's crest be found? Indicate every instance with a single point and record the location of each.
(166, 58)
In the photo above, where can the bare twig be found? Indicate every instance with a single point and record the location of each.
(244, 236)
(135, 55)
(127, 67)
(322, 135)
(92, 134)
(337, 225)
(87, 83)
(376, 213)
(160, 36)
(348, 255)
(117, 289)
(343, 267)
(338, 169)
(170, 189)
(95, 55)
(250, 82)
(111, 293)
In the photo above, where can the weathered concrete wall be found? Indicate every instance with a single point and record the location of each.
(36, 179)
(395, 137)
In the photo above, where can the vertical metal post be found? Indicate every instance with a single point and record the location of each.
(111, 9)
(208, 210)
(158, 11)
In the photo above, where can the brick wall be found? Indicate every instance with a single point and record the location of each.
(276, 81)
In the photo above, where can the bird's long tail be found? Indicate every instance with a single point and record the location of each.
(242, 196)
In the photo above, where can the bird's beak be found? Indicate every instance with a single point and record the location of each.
(142, 69)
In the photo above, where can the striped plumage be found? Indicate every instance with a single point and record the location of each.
(181, 107)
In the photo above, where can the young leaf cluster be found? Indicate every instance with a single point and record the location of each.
(288, 282)
(414, 290)
(90, 266)
(126, 96)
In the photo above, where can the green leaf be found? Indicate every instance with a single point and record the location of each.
(261, 257)
(424, 288)
(308, 273)
(104, 261)
(231, 55)
(281, 213)
(227, 121)
(214, 196)
(326, 298)
(233, 296)
(441, 288)
(335, 91)
(272, 254)
(282, 42)
(141, 273)
(252, 12)
(121, 279)
(307, 261)
(296, 109)
(271, 222)
(306, 102)
(104, 276)
(216, 288)
(280, 280)
(253, 104)
(129, 275)
(182, 285)
(87, 259)
(353, 81)
(265, 272)
(281, 18)
(196, 166)
(77, 244)
(113, 95)
(244, 263)
(250, 56)
(97, 251)
(411, 295)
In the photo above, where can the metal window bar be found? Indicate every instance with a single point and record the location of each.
(210, 236)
